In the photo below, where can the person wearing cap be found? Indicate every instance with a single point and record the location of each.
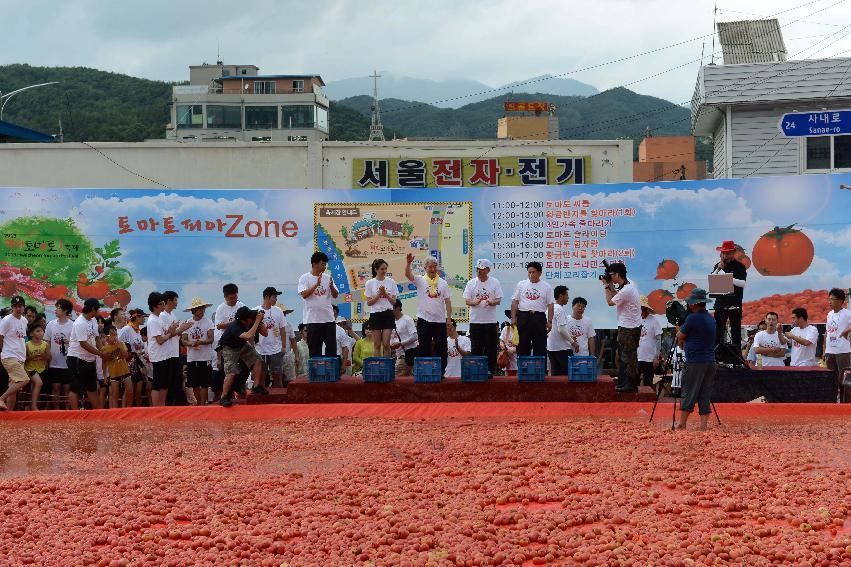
(649, 344)
(728, 307)
(380, 293)
(434, 309)
(236, 346)
(627, 301)
(317, 289)
(482, 294)
(697, 337)
(83, 353)
(13, 350)
(131, 337)
(273, 345)
(561, 344)
(198, 340)
(57, 334)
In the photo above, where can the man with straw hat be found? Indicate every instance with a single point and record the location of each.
(198, 340)
(697, 337)
(649, 343)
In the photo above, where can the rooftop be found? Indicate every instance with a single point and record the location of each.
(13, 133)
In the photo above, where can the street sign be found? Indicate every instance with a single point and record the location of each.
(821, 123)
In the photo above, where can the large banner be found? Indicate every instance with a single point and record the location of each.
(117, 245)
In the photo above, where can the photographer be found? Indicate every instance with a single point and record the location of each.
(622, 294)
(729, 306)
(697, 336)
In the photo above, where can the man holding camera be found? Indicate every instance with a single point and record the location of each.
(623, 295)
(728, 307)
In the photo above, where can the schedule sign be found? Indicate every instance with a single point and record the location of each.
(821, 123)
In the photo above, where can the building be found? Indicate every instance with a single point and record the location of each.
(667, 158)
(528, 121)
(236, 102)
(740, 106)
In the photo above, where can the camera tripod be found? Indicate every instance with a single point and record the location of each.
(675, 362)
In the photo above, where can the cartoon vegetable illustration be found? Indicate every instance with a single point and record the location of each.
(658, 299)
(667, 270)
(684, 290)
(742, 257)
(783, 252)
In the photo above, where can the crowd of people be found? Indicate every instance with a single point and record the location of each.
(134, 357)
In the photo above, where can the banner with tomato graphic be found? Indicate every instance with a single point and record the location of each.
(117, 245)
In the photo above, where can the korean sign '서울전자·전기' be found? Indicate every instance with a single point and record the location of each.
(469, 172)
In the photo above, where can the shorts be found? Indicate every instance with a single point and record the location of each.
(274, 363)
(15, 369)
(382, 320)
(166, 372)
(84, 375)
(119, 379)
(59, 375)
(232, 356)
(199, 374)
(40, 373)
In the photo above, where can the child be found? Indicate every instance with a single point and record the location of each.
(117, 369)
(38, 355)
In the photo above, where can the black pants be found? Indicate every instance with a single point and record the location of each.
(432, 337)
(176, 395)
(319, 334)
(558, 361)
(532, 328)
(734, 315)
(484, 339)
(645, 372)
(628, 355)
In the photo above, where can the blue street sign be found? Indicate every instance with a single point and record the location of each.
(821, 123)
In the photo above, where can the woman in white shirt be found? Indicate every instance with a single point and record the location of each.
(380, 294)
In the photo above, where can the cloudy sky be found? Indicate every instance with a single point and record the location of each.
(493, 41)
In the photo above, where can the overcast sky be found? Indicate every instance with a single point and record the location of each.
(493, 41)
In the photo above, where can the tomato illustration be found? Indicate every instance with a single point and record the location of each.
(742, 257)
(667, 270)
(684, 290)
(54, 293)
(658, 299)
(119, 296)
(783, 252)
(96, 290)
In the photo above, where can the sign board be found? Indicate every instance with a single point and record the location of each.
(821, 123)
(527, 106)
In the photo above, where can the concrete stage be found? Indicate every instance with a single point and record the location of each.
(403, 390)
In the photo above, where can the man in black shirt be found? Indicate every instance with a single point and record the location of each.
(236, 344)
(729, 306)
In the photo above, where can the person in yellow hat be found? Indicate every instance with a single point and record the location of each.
(198, 340)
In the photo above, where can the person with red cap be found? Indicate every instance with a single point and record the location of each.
(728, 307)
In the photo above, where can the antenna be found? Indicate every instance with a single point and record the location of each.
(218, 52)
(376, 130)
(714, 31)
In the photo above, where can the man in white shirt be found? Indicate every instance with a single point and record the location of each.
(837, 347)
(457, 347)
(623, 295)
(176, 395)
(57, 334)
(404, 341)
(770, 343)
(804, 339)
(272, 347)
(13, 349)
(344, 344)
(532, 311)
(83, 352)
(222, 318)
(434, 309)
(560, 343)
(649, 343)
(582, 329)
(317, 289)
(482, 295)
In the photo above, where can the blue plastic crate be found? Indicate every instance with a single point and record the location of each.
(323, 369)
(379, 369)
(474, 369)
(582, 369)
(531, 368)
(427, 369)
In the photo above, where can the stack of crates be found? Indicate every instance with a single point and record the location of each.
(323, 369)
(531, 368)
(474, 369)
(379, 370)
(427, 369)
(582, 369)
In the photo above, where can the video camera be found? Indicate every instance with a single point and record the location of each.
(676, 312)
(606, 277)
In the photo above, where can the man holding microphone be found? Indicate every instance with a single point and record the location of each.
(317, 289)
(728, 307)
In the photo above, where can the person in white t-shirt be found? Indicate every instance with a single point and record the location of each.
(198, 340)
(457, 347)
(837, 347)
(623, 295)
(381, 292)
(292, 354)
(222, 318)
(273, 346)
(177, 394)
(83, 353)
(131, 336)
(649, 344)
(770, 343)
(404, 341)
(344, 343)
(13, 350)
(482, 295)
(803, 338)
(318, 290)
(532, 311)
(57, 334)
(582, 329)
(434, 309)
(560, 343)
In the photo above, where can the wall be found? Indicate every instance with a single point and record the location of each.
(523, 127)
(233, 165)
(666, 148)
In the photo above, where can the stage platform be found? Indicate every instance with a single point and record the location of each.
(788, 384)
(403, 390)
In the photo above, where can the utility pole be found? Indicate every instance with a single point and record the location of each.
(376, 129)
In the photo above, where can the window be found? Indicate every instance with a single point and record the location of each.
(261, 117)
(297, 116)
(298, 86)
(828, 152)
(321, 119)
(220, 116)
(190, 116)
(264, 87)
(296, 138)
(225, 72)
(245, 71)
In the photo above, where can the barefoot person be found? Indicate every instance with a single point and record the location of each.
(13, 351)
(434, 309)
(697, 337)
(380, 294)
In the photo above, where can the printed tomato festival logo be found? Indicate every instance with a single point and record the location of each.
(46, 259)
